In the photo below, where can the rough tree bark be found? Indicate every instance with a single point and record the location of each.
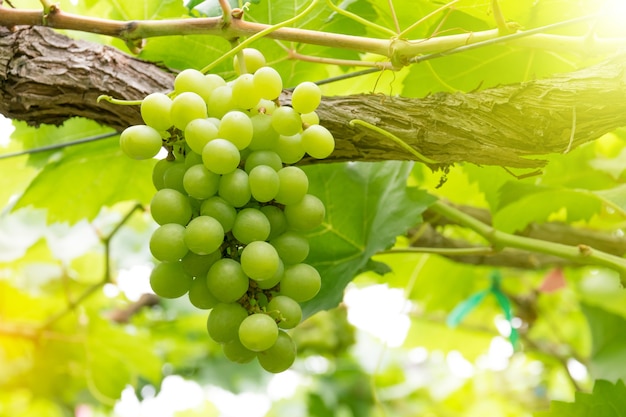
(47, 77)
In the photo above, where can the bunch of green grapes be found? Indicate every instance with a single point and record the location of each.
(232, 208)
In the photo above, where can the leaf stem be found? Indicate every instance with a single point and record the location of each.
(424, 18)
(581, 254)
(357, 18)
(59, 145)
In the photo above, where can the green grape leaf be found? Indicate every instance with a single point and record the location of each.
(608, 353)
(606, 400)
(615, 197)
(367, 206)
(87, 178)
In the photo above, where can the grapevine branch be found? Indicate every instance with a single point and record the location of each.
(47, 78)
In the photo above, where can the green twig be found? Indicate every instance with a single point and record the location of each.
(357, 18)
(118, 101)
(480, 251)
(259, 35)
(503, 27)
(581, 254)
(395, 139)
(428, 16)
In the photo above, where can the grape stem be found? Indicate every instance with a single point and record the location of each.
(395, 139)
(118, 101)
(580, 254)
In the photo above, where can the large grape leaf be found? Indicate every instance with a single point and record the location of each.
(606, 400)
(85, 179)
(367, 206)
(608, 354)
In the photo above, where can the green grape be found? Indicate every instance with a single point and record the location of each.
(258, 332)
(264, 183)
(193, 81)
(235, 188)
(263, 134)
(168, 280)
(272, 282)
(224, 321)
(220, 156)
(306, 97)
(293, 185)
(259, 260)
(310, 118)
(269, 158)
(173, 177)
(236, 127)
(167, 243)
(268, 82)
(318, 142)
(158, 172)
(289, 148)
(204, 235)
(250, 225)
(198, 133)
(155, 111)
(307, 214)
(221, 101)
(286, 121)
(220, 210)
(170, 206)
(198, 265)
(140, 142)
(265, 106)
(286, 311)
(186, 107)
(245, 94)
(200, 183)
(280, 356)
(236, 352)
(227, 281)
(192, 158)
(301, 282)
(278, 221)
(200, 296)
(292, 247)
(253, 60)
(214, 81)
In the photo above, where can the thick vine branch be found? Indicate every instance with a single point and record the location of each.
(46, 77)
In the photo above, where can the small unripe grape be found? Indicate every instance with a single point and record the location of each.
(173, 177)
(318, 142)
(155, 111)
(264, 136)
(236, 352)
(289, 148)
(252, 58)
(169, 280)
(221, 101)
(263, 157)
(220, 210)
(245, 94)
(170, 206)
(204, 235)
(140, 142)
(220, 156)
(258, 332)
(278, 221)
(259, 260)
(286, 311)
(301, 282)
(273, 281)
(264, 183)
(224, 321)
(310, 118)
(305, 215)
(235, 188)
(200, 296)
(186, 107)
(198, 265)
(198, 133)
(286, 121)
(306, 97)
(200, 183)
(268, 82)
(280, 356)
(250, 225)
(293, 184)
(227, 281)
(158, 172)
(167, 243)
(236, 127)
(192, 158)
(292, 247)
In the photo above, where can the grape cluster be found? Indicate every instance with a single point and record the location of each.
(230, 205)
